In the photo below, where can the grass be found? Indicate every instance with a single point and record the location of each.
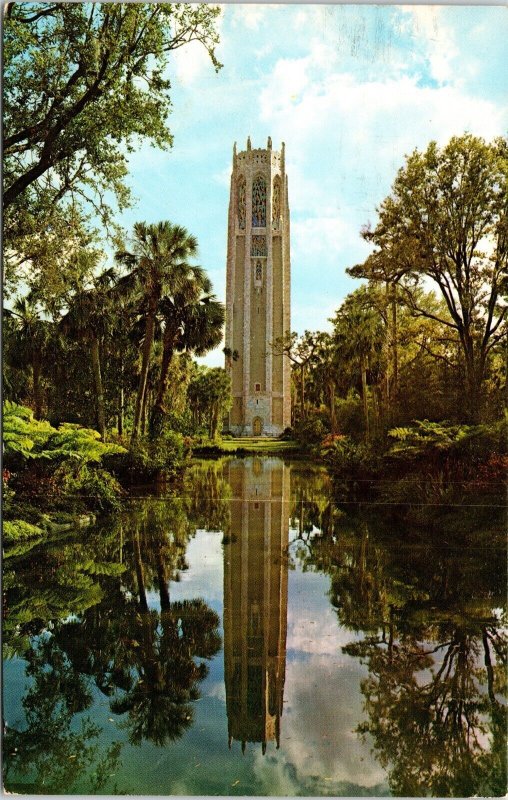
(251, 444)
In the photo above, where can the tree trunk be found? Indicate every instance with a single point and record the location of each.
(488, 667)
(158, 411)
(214, 419)
(99, 391)
(120, 412)
(37, 391)
(144, 410)
(377, 407)
(365, 397)
(506, 376)
(302, 392)
(331, 396)
(394, 348)
(162, 581)
(143, 603)
(474, 378)
(145, 363)
(388, 353)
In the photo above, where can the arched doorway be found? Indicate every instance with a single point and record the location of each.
(257, 426)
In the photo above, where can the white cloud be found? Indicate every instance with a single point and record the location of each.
(192, 62)
(318, 635)
(316, 237)
(348, 136)
(319, 745)
(217, 690)
(437, 38)
(204, 577)
(223, 177)
(251, 15)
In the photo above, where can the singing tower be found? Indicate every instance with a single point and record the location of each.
(258, 293)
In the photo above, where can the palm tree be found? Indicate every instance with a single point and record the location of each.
(31, 335)
(193, 321)
(88, 319)
(359, 338)
(157, 266)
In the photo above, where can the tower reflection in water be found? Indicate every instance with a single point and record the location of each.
(255, 599)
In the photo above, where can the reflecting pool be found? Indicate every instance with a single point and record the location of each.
(250, 633)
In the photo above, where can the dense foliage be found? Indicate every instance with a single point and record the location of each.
(118, 355)
(89, 345)
(49, 469)
(84, 85)
(110, 347)
(414, 370)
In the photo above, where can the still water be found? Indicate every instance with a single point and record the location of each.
(249, 634)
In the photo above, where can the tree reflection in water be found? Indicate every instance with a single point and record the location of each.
(149, 663)
(428, 609)
(423, 609)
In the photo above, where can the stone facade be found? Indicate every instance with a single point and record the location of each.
(258, 293)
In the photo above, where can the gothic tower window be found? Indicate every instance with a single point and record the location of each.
(258, 246)
(240, 200)
(259, 202)
(276, 209)
(259, 272)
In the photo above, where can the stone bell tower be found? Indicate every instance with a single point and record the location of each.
(258, 293)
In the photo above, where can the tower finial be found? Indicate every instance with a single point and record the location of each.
(234, 150)
(248, 144)
(283, 156)
(269, 143)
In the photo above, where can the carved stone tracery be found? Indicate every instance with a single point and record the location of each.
(241, 202)
(258, 246)
(276, 203)
(259, 202)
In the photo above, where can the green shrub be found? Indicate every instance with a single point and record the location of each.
(26, 438)
(349, 415)
(343, 455)
(438, 440)
(88, 487)
(23, 436)
(149, 457)
(16, 530)
(309, 432)
(59, 463)
(180, 423)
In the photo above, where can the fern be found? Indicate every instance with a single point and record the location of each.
(425, 436)
(31, 438)
(18, 530)
(102, 568)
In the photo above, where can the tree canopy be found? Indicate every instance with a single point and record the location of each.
(84, 84)
(446, 220)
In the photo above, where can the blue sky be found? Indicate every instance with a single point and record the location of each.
(351, 90)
